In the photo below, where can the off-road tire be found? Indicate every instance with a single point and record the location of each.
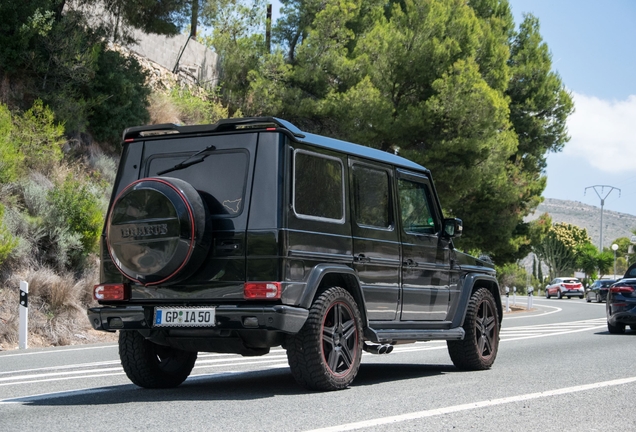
(616, 329)
(325, 354)
(153, 366)
(478, 349)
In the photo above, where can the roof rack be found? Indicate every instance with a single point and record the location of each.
(220, 126)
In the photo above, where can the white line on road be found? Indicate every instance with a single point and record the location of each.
(472, 405)
(56, 351)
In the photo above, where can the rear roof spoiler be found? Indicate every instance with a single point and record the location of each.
(220, 126)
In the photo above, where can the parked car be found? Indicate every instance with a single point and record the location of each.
(598, 290)
(565, 287)
(249, 234)
(621, 306)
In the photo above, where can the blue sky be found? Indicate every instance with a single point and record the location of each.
(593, 46)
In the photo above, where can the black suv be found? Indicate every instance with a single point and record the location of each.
(250, 233)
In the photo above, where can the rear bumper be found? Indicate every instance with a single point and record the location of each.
(286, 319)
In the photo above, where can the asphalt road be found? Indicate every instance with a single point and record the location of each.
(558, 369)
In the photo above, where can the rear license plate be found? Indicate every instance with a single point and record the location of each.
(184, 317)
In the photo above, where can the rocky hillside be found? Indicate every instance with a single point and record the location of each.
(615, 224)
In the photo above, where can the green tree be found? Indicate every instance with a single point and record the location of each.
(435, 80)
(559, 248)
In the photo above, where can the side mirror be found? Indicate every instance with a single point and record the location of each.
(453, 227)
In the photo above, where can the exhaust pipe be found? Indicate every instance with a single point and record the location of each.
(378, 349)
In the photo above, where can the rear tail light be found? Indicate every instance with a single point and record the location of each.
(622, 289)
(262, 290)
(110, 292)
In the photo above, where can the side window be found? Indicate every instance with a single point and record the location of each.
(318, 187)
(415, 208)
(371, 197)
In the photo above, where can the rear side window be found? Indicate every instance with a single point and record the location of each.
(371, 197)
(318, 190)
(220, 178)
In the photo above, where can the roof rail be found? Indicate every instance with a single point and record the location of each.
(220, 126)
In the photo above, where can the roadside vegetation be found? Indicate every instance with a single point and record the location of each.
(453, 85)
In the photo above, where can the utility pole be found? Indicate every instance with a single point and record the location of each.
(602, 198)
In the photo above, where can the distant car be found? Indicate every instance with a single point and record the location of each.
(598, 290)
(621, 306)
(565, 287)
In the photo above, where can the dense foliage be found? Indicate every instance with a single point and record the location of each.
(449, 84)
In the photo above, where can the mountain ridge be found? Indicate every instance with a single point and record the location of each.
(615, 224)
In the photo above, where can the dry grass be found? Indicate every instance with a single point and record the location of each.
(57, 308)
(162, 110)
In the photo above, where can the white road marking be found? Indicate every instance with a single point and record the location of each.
(532, 315)
(55, 351)
(472, 405)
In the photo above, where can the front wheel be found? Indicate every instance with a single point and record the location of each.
(478, 349)
(547, 294)
(588, 299)
(153, 366)
(325, 354)
(598, 298)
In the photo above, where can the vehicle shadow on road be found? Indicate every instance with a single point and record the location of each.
(378, 373)
(232, 386)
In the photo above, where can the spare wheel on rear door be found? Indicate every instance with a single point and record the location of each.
(156, 232)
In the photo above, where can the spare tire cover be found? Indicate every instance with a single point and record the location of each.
(155, 232)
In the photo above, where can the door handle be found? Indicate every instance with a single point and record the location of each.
(361, 258)
(409, 263)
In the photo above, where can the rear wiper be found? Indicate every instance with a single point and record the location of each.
(190, 160)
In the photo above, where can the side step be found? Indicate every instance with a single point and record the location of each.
(386, 336)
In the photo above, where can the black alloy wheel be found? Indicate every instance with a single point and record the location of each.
(478, 349)
(325, 354)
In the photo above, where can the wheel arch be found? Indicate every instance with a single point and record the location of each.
(471, 283)
(324, 276)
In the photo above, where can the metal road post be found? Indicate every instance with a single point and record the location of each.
(24, 315)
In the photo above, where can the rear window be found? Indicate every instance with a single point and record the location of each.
(220, 179)
(570, 281)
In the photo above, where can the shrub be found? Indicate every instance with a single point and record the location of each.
(39, 138)
(7, 241)
(75, 207)
(10, 157)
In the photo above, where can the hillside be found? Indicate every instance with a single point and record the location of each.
(615, 224)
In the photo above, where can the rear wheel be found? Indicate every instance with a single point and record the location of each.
(478, 349)
(559, 295)
(325, 354)
(616, 329)
(153, 366)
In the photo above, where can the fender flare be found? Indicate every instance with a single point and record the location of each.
(318, 273)
(468, 284)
